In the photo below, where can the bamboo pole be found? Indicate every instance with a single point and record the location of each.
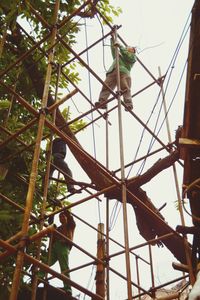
(32, 238)
(163, 237)
(151, 270)
(46, 185)
(188, 257)
(31, 188)
(138, 275)
(46, 181)
(44, 204)
(100, 271)
(107, 246)
(123, 185)
(25, 55)
(61, 101)
(16, 134)
(74, 13)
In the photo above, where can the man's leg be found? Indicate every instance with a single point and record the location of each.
(111, 81)
(51, 171)
(126, 85)
(62, 165)
(63, 258)
(49, 261)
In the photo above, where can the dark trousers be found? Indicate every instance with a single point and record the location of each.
(58, 161)
(111, 81)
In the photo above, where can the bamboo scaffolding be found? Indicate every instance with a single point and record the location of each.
(110, 239)
(51, 229)
(114, 182)
(51, 271)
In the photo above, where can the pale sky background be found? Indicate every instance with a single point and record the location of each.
(155, 28)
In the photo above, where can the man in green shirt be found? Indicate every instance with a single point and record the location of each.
(127, 58)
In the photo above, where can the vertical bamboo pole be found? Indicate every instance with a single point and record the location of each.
(46, 183)
(100, 273)
(191, 274)
(44, 296)
(152, 271)
(107, 214)
(38, 243)
(138, 275)
(107, 251)
(124, 194)
(33, 175)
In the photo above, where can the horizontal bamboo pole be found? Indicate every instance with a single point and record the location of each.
(61, 101)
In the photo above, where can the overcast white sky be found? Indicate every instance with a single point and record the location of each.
(155, 27)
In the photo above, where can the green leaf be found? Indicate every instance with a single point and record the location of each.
(4, 104)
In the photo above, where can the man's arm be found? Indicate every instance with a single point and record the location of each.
(112, 46)
(70, 220)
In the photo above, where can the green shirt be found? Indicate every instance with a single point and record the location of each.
(126, 59)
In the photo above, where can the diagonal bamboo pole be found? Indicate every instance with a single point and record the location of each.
(10, 133)
(16, 134)
(61, 101)
(23, 56)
